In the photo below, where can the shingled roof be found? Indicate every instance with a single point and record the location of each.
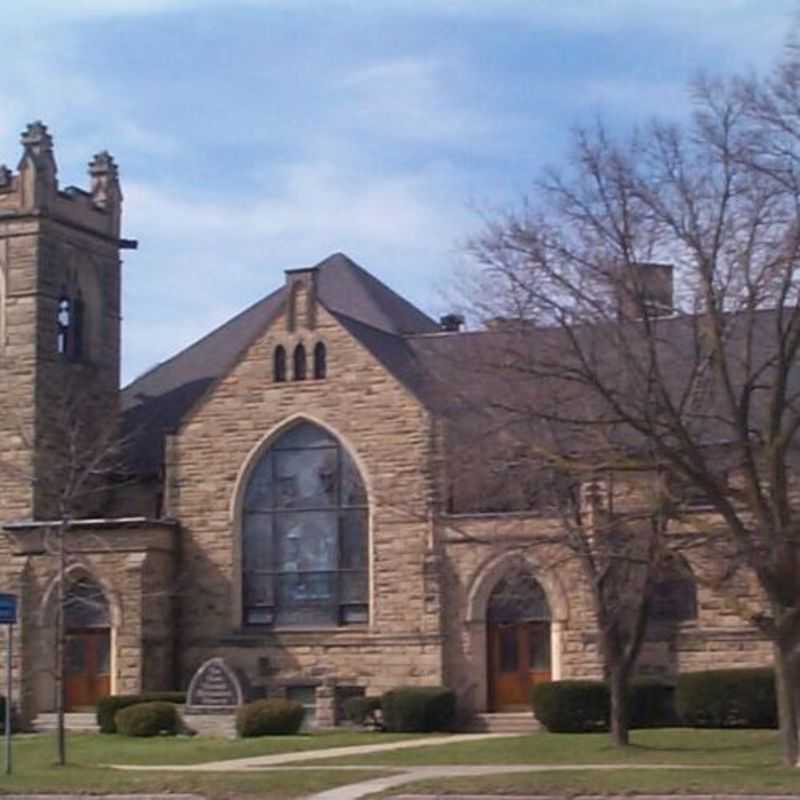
(157, 402)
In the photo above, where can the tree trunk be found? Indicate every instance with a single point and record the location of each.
(787, 689)
(619, 716)
(60, 647)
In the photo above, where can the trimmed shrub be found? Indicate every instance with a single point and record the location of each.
(419, 709)
(148, 719)
(107, 707)
(362, 710)
(571, 706)
(652, 705)
(16, 723)
(727, 698)
(269, 718)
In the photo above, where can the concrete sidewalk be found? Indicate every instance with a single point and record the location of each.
(277, 759)
(279, 762)
(353, 791)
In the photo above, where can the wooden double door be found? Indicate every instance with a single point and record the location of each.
(518, 658)
(87, 667)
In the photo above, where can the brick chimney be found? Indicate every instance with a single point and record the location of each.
(645, 289)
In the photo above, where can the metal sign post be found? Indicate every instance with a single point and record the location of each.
(8, 616)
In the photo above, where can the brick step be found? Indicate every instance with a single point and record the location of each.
(84, 722)
(521, 723)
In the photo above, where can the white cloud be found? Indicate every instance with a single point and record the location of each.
(413, 99)
(204, 259)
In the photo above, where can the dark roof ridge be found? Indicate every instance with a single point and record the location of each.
(202, 340)
(382, 331)
(378, 292)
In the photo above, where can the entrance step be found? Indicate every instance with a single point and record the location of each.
(519, 722)
(75, 721)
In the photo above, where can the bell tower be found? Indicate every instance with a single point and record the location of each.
(59, 322)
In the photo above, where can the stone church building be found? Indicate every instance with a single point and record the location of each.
(282, 499)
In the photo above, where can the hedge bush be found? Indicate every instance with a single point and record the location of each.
(580, 706)
(571, 706)
(362, 710)
(16, 724)
(148, 719)
(107, 707)
(419, 709)
(652, 705)
(727, 698)
(269, 718)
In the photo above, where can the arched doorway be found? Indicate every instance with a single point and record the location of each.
(87, 651)
(518, 640)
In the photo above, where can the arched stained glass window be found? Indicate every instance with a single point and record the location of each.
(673, 596)
(299, 363)
(518, 597)
(85, 605)
(279, 364)
(304, 534)
(320, 362)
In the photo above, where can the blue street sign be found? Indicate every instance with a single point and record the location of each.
(8, 609)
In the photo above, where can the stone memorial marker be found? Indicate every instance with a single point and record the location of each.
(214, 687)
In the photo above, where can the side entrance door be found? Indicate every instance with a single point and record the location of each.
(518, 658)
(86, 667)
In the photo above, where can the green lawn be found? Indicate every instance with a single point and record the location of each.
(115, 749)
(35, 770)
(739, 761)
(664, 746)
(757, 780)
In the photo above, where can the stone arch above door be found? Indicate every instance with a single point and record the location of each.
(486, 579)
(75, 573)
(496, 568)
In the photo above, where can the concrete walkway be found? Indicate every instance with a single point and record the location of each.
(277, 759)
(279, 762)
(353, 791)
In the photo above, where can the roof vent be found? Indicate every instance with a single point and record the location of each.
(451, 323)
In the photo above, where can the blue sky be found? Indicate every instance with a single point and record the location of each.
(259, 135)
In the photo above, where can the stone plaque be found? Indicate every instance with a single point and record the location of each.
(214, 686)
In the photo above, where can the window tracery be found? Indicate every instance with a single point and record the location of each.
(673, 596)
(304, 534)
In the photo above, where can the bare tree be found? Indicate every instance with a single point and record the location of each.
(599, 509)
(701, 382)
(76, 460)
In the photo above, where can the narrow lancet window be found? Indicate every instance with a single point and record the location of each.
(75, 349)
(279, 365)
(69, 327)
(320, 362)
(63, 324)
(299, 363)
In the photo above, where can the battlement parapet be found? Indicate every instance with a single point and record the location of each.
(33, 189)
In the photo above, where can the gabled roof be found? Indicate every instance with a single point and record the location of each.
(157, 402)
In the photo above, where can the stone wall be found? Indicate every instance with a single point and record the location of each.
(133, 566)
(480, 549)
(55, 243)
(389, 435)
